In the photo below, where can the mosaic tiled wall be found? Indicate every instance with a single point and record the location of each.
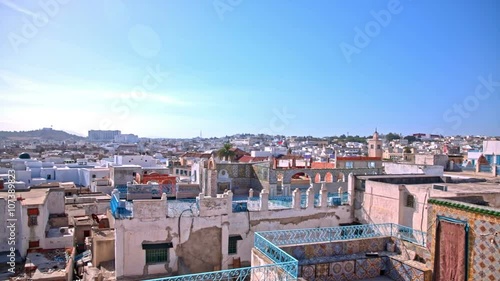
(237, 170)
(346, 260)
(327, 250)
(484, 245)
(343, 270)
(363, 268)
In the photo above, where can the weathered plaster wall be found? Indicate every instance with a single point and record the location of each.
(196, 253)
(198, 241)
(378, 204)
(55, 201)
(35, 232)
(201, 252)
(103, 251)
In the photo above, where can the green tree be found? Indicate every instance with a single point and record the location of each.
(392, 136)
(225, 152)
(411, 139)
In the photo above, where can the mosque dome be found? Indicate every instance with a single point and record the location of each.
(24, 155)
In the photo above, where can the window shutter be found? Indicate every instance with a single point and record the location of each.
(33, 212)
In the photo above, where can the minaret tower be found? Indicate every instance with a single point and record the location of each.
(375, 146)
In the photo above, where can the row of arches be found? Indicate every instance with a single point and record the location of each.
(301, 176)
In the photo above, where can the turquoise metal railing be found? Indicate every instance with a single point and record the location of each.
(274, 253)
(322, 235)
(285, 267)
(257, 273)
(409, 234)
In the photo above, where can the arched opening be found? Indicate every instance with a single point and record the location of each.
(340, 177)
(328, 177)
(211, 164)
(279, 177)
(279, 183)
(300, 180)
(317, 178)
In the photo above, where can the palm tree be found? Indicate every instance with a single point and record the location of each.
(225, 152)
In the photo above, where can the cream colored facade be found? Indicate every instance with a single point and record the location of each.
(375, 146)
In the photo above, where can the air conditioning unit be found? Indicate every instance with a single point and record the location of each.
(64, 230)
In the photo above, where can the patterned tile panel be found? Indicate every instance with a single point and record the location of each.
(351, 247)
(322, 270)
(484, 256)
(336, 269)
(486, 263)
(308, 272)
(337, 248)
(348, 267)
(298, 252)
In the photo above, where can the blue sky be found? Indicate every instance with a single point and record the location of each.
(173, 68)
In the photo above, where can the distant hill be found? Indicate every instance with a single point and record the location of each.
(42, 134)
